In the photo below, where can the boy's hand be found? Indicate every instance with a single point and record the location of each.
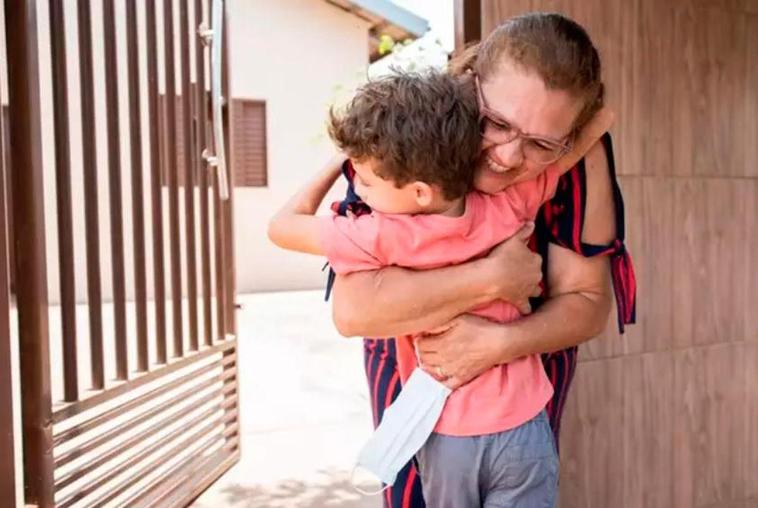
(294, 227)
(336, 161)
(587, 137)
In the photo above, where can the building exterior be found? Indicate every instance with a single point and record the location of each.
(297, 65)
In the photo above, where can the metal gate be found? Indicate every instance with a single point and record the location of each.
(128, 398)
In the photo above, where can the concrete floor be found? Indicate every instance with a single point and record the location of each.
(304, 408)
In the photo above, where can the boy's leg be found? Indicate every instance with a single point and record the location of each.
(384, 387)
(450, 468)
(522, 467)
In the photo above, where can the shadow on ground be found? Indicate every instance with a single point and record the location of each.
(329, 490)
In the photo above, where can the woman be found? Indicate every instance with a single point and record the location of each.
(538, 74)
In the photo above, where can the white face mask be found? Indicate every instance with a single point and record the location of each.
(405, 427)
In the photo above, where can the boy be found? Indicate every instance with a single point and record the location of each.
(413, 141)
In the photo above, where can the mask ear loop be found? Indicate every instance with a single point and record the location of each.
(362, 491)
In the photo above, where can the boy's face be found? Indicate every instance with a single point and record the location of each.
(383, 195)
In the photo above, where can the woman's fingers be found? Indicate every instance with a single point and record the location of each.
(525, 232)
(431, 358)
(439, 330)
(426, 347)
(524, 307)
(434, 371)
(453, 382)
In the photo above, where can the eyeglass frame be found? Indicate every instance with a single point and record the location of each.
(493, 116)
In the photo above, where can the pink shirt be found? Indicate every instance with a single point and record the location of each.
(506, 395)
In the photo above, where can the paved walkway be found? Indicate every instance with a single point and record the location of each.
(304, 408)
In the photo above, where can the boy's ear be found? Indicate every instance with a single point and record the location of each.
(424, 193)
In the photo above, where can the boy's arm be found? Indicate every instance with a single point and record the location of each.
(587, 141)
(590, 134)
(295, 226)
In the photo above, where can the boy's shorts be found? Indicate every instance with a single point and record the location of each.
(514, 468)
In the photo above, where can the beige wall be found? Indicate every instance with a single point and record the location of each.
(292, 54)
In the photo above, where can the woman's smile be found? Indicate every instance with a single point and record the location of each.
(494, 166)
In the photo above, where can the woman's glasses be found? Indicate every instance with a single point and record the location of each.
(499, 131)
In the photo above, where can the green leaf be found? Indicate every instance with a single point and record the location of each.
(386, 43)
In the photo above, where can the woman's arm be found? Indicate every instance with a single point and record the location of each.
(406, 301)
(576, 311)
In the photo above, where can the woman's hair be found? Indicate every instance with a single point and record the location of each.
(552, 45)
(418, 126)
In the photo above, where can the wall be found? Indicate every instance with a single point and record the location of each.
(667, 415)
(294, 63)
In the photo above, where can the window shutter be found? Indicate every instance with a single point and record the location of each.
(248, 143)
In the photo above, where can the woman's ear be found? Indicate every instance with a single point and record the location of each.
(424, 193)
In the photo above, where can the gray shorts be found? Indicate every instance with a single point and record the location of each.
(514, 468)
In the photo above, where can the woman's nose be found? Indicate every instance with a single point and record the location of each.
(510, 154)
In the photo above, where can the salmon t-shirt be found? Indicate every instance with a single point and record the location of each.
(505, 396)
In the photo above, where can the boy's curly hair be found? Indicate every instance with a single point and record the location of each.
(418, 126)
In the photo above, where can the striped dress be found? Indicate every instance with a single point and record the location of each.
(560, 222)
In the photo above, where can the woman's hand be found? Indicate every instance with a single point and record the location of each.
(514, 270)
(458, 352)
